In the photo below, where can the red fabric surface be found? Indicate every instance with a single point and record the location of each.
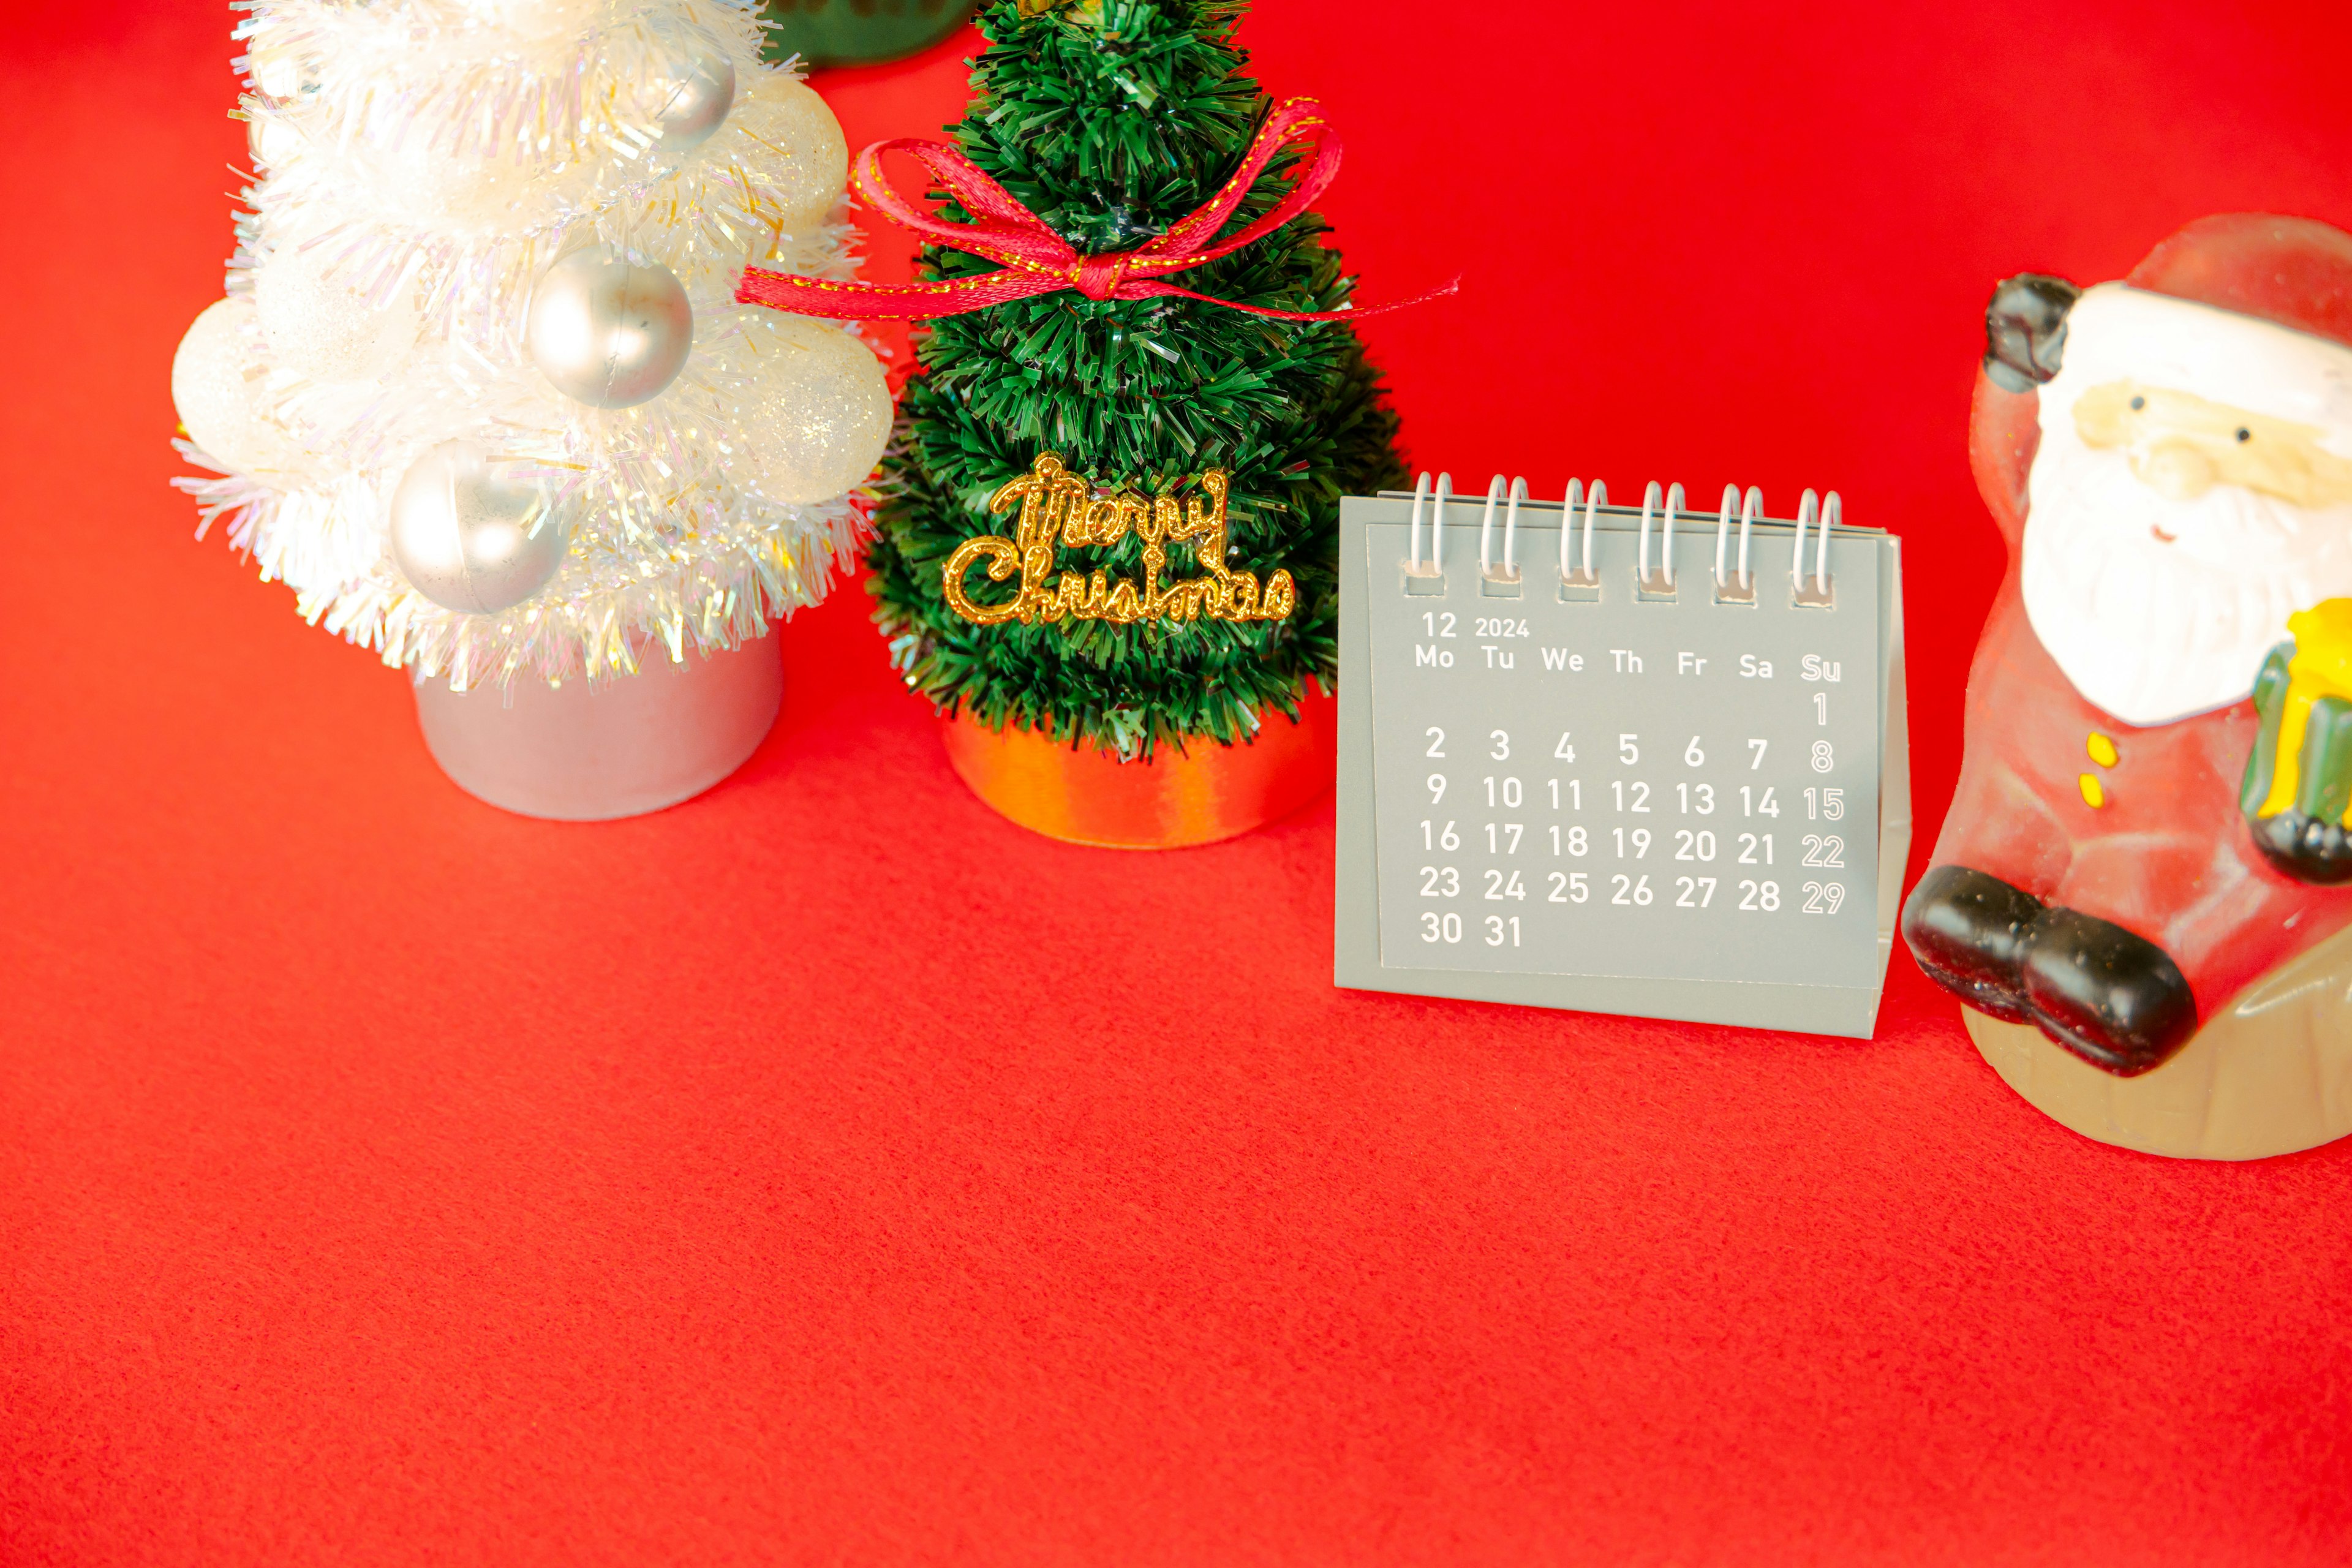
(828, 1172)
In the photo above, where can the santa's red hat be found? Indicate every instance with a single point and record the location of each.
(2292, 270)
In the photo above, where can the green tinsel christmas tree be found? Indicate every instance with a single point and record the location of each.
(1111, 120)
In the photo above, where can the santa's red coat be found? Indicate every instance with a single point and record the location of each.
(2152, 841)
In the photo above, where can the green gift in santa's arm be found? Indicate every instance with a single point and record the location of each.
(2298, 783)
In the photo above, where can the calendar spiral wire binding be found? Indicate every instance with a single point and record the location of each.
(1421, 495)
(1725, 593)
(1519, 493)
(1829, 513)
(1585, 577)
(1495, 494)
(1816, 515)
(1661, 585)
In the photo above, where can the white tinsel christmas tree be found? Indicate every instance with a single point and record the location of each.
(479, 391)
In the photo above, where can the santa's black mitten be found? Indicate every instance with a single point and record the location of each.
(2025, 330)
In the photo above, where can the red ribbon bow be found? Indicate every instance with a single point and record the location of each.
(1035, 259)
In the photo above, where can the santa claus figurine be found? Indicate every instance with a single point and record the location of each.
(2140, 891)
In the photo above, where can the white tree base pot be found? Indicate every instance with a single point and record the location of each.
(591, 751)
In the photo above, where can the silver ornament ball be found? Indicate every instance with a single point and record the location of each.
(472, 534)
(608, 331)
(692, 96)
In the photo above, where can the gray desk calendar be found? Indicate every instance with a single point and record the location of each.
(1587, 761)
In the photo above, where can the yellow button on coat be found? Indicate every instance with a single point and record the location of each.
(2102, 750)
(2092, 796)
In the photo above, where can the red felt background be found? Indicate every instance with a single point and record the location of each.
(827, 1171)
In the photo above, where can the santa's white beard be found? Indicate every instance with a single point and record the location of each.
(2150, 631)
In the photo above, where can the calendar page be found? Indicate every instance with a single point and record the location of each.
(1666, 802)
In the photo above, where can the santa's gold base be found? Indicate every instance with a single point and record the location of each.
(2269, 1074)
(592, 751)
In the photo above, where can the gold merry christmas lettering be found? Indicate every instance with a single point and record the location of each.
(1060, 508)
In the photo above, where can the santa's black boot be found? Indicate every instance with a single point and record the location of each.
(1968, 931)
(2114, 999)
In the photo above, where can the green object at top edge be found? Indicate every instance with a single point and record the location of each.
(859, 32)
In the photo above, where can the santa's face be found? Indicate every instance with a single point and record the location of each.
(2168, 538)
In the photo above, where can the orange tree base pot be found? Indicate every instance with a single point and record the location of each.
(1085, 795)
